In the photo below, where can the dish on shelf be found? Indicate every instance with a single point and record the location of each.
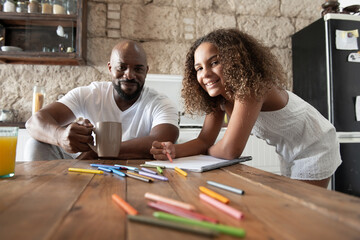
(10, 49)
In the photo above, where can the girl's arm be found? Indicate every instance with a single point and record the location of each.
(242, 120)
(199, 145)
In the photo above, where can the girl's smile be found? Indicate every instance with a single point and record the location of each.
(209, 69)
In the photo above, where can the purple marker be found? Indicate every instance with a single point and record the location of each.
(162, 178)
(148, 170)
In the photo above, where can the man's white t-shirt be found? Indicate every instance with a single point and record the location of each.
(96, 103)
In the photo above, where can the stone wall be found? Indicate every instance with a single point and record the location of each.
(167, 28)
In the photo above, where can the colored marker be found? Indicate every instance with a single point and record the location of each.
(151, 166)
(159, 170)
(214, 195)
(237, 232)
(221, 206)
(167, 154)
(82, 170)
(148, 170)
(169, 157)
(138, 178)
(180, 211)
(124, 205)
(135, 174)
(127, 167)
(225, 187)
(105, 169)
(180, 171)
(162, 178)
(117, 172)
(170, 201)
(104, 165)
(176, 226)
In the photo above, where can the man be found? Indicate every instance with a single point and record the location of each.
(63, 129)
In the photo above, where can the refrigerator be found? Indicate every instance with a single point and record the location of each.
(326, 73)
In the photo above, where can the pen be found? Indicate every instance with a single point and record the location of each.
(159, 170)
(148, 170)
(180, 171)
(225, 187)
(124, 205)
(180, 211)
(117, 172)
(170, 201)
(127, 167)
(176, 226)
(214, 195)
(153, 176)
(138, 178)
(221, 206)
(233, 231)
(104, 165)
(82, 170)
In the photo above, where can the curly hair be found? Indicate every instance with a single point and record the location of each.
(249, 69)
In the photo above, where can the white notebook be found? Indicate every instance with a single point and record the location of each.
(199, 163)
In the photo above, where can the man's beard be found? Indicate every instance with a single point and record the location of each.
(125, 96)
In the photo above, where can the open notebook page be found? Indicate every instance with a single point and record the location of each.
(198, 163)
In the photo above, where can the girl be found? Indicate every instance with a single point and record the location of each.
(228, 71)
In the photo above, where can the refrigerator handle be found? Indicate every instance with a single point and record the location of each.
(357, 108)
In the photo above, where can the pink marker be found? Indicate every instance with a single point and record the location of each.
(221, 206)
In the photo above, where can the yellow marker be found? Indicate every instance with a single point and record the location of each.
(180, 171)
(213, 194)
(82, 170)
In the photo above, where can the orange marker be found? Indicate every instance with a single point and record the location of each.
(167, 154)
(124, 205)
(215, 195)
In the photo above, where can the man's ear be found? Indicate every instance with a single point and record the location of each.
(109, 66)
(147, 69)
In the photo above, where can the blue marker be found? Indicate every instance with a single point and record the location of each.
(104, 165)
(127, 167)
(105, 169)
(117, 172)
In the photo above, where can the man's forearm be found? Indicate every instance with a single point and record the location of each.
(43, 128)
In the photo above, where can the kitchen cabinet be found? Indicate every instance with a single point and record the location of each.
(37, 38)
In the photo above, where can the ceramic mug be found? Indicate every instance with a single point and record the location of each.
(108, 137)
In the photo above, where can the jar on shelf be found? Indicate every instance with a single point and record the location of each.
(21, 6)
(38, 98)
(46, 7)
(59, 7)
(9, 6)
(71, 7)
(33, 6)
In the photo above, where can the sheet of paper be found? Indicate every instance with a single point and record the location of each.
(198, 163)
(346, 40)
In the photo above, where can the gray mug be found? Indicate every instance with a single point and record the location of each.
(108, 139)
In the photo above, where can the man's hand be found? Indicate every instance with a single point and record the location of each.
(76, 136)
(90, 155)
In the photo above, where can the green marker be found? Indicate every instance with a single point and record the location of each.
(151, 166)
(159, 170)
(233, 231)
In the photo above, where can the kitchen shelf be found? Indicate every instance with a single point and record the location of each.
(36, 35)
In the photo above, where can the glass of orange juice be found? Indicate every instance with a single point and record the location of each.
(8, 140)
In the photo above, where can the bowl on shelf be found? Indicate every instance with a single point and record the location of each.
(10, 49)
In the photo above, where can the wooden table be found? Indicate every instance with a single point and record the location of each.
(45, 201)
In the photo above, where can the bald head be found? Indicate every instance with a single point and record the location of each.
(130, 49)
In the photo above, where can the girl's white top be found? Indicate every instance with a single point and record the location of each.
(304, 139)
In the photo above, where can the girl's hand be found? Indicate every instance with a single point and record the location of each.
(159, 150)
